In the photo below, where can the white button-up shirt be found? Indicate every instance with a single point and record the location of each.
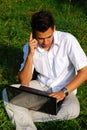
(58, 66)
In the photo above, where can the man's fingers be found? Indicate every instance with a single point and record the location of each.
(31, 36)
(58, 95)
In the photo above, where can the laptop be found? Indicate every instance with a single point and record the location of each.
(51, 106)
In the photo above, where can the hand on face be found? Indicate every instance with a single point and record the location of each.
(32, 44)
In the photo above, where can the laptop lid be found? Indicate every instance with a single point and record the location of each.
(50, 107)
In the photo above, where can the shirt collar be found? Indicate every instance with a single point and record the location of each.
(56, 38)
(40, 49)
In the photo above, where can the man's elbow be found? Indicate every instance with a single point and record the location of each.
(24, 80)
(84, 70)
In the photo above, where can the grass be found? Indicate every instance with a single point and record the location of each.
(70, 15)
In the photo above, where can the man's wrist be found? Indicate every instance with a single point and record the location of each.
(65, 90)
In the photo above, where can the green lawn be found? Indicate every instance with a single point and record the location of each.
(70, 16)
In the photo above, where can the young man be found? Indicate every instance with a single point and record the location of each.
(61, 65)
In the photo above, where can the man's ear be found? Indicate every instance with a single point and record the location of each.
(54, 27)
(33, 34)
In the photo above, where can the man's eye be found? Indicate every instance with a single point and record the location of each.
(40, 38)
(49, 37)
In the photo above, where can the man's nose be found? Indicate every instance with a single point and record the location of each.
(45, 40)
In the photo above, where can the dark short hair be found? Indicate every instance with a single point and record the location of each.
(41, 21)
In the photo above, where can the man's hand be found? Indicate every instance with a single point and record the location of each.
(32, 44)
(58, 95)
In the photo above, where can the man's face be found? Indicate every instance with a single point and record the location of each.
(45, 39)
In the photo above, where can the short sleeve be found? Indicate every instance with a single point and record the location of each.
(25, 54)
(76, 54)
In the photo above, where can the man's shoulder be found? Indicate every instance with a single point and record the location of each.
(64, 34)
(26, 44)
(25, 47)
(60, 36)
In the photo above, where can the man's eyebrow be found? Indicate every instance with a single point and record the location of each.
(49, 36)
(45, 37)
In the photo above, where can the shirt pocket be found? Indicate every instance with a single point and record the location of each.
(61, 65)
(42, 65)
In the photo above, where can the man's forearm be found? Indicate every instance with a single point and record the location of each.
(26, 73)
(75, 83)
